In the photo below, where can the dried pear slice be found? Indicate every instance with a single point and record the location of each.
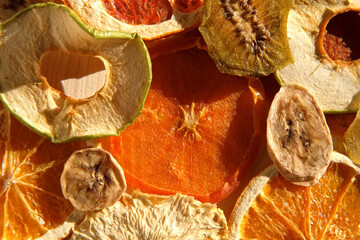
(335, 83)
(145, 216)
(92, 179)
(41, 28)
(247, 37)
(298, 138)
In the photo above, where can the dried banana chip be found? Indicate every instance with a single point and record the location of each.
(92, 179)
(298, 138)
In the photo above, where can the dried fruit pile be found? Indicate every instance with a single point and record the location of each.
(188, 112)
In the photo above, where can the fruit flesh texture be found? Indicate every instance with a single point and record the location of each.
(327, 210)
(147, 12)
(31, 200)
(197, 132)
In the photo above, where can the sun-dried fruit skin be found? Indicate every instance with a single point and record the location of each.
(92, 179)
(247, 37)
(298, 138)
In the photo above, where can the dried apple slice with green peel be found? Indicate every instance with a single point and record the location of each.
(324, 60)
(38, 29)
(152, 19)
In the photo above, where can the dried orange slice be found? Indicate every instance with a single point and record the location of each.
(152, 19)
(31, 199)
(273, 208)
(197, 133)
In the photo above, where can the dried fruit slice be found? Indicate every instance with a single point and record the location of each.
(273, 208)
(247, 37)
(322, 60)
(40, 29)
(298, 138)
(92, 179)
(198, 131)
(31, 199)
(154, 217)
(151, 19)
(352, 140)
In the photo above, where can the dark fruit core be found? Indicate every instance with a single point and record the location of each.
(341, 42)
(145, 12)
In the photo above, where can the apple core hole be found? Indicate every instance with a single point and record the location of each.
(341, 41)
(77, 76)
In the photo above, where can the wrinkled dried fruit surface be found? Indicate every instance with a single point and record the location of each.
(39, 29)
(352, 140)
(92, 179)
(247, 37)
(298, 138)
(322, 61)
(144, 216)
(152, 19)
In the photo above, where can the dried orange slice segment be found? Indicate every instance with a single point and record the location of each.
(273, 208)
(197, 133)
(152, 19)
(31, 199)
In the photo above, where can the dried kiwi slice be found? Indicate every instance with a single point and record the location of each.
(247, 37)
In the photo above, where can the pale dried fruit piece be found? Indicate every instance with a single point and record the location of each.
(92, 179)
(145, 216)
(321, 61)
(42, 28)
(352, 140)
(298, 138)
(247, 37)
(152, 19)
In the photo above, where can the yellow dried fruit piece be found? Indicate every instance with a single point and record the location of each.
(247, 37)
(92, 179)
(41, 28)
(298, 139)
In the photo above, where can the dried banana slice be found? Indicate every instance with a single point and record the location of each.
(298, 138)
(92, 179)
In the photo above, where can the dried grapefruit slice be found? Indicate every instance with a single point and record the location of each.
(197, 133)
(152, 19)
(273, 208)
(31, 199)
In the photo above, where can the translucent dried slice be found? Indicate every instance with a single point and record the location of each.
(298, 138)
(273, 208)
(247, 37)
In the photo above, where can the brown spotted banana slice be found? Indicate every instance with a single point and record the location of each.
(298, 138)
(92, 179)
